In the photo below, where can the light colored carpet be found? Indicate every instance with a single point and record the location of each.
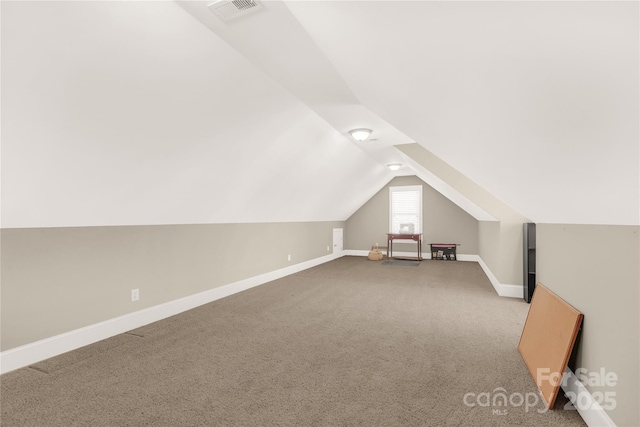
(352, 342)
(401, 262)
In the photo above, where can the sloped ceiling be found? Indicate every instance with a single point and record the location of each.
(134, 113)
(158, 112)
(537, 102)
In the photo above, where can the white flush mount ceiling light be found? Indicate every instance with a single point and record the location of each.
(360, 134)
(394, 166)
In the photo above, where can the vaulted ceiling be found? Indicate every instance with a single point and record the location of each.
(160, 112)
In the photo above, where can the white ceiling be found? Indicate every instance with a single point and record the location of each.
(158, 112)
(537, 102)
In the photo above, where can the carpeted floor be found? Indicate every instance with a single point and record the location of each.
(349, 343)
(401, 262)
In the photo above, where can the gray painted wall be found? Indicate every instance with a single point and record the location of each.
(595, 268)
(501, 248)
(56, 280)
(443, 221)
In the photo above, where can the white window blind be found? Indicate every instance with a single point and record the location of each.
(405, 209)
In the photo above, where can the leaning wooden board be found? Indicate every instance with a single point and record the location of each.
(547, 340)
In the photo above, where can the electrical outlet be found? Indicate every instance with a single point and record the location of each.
(328, 248)
(289, 257)
(135, 294)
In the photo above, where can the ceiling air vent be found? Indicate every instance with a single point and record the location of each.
(232, 9)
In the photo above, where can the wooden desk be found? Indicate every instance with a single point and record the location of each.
(415, 237)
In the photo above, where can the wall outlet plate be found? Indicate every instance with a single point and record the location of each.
(135, 294)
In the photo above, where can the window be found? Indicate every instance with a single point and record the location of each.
(405, 209)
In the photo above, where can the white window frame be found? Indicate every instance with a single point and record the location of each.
(420, 225)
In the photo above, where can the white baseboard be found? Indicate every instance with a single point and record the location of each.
(589, 409)
(511, 291)
(28, 354)
(465, 257)
(425, 255)
(357, 252)
(502, 289)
